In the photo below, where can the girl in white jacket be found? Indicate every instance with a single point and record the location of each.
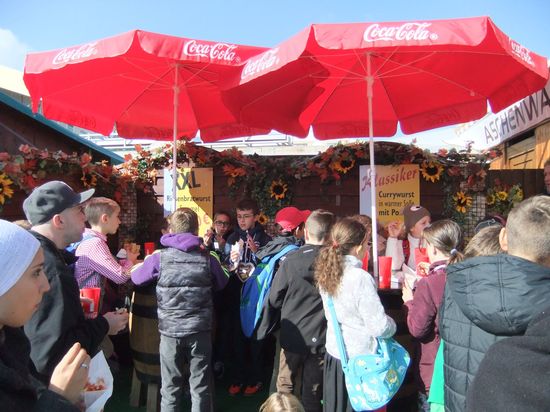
(358, 308)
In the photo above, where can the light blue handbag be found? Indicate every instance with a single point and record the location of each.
(371, 380)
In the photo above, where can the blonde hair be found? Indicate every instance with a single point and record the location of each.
(282, 402)
(184, 220)
(484, 243)
(528, 229)
(319, 223)
(98, 206)
(25, 224)
(346, 234)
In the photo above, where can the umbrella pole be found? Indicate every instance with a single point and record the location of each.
(175, 140)
(374, 214)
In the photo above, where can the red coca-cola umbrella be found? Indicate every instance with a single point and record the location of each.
(147, 85)
(362, 79)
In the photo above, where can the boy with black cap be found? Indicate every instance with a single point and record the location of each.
(416, 218)
(55, 212)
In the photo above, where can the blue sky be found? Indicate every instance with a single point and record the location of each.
(38, 25)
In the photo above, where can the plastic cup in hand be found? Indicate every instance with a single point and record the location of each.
(420, 256)
(384, 271)
(149, 248)
(93, 294)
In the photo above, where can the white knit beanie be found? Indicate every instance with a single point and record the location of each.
(17, 251)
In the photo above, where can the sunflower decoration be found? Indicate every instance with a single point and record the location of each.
(88, 180)
(502, 195)
(343, 164)
(278, 189)
(516, 194)
(462, 202)
(263, 219)
(6, 191)
(431, 171)
(233, 173)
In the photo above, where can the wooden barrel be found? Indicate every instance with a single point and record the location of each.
(144, 334)
(405, 399)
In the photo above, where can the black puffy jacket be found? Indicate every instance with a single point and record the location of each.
(486, 299)
(184, 293)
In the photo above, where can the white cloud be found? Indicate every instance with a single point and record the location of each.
(12, 50)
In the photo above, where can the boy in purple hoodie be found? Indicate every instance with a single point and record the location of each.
(186, 277)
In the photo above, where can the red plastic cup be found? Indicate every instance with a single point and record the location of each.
(365, 265)
(420, 255)
(90, 310)
(149, 248)
(384, 271)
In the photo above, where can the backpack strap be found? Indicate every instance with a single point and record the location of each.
(268, 265)
(338, 333)
(215, 255)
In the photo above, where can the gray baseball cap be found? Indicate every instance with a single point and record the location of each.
(51, 199)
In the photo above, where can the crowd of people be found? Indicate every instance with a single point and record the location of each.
(478, 312)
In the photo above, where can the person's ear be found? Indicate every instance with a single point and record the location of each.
(57, 221)
(104, 217)
(306, 235)
(503, 239)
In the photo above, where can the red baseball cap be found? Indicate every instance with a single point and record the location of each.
(290, 217)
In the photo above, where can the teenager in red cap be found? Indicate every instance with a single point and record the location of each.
(291, 222)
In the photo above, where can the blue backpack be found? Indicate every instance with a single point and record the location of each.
(256, 289)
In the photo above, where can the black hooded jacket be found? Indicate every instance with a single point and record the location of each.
(59, 321)
(295, 298)
(486, 299)
(20, 391)
(514, 376)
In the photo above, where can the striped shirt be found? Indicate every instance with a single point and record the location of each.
(95, 260)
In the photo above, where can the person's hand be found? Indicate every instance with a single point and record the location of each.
(71, 374)
(234, 256)
(132, 257)
(422, 269)
(221, 241)
(207, 238)
(132, 252)
(395, 228)
(407, 292)
(84, 301)
(117, 321)
(251, 244)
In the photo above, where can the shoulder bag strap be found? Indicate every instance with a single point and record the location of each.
(338, 333)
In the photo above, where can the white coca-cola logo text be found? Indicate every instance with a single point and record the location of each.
(75, 53)
(407, 31)
(218, 51)
(522, 52)
(263, 62)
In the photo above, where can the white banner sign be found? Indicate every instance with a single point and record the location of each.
(494, 129)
